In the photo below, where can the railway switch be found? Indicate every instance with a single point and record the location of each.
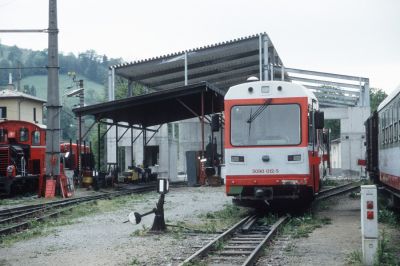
(369, 223)
(159, 222)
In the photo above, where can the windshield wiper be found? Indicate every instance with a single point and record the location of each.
(259, 111)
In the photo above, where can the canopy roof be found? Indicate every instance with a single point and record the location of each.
(222, 64)
(159, 107)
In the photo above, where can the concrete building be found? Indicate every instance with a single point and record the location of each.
(15, 105)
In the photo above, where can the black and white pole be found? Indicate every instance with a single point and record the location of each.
(159, 221)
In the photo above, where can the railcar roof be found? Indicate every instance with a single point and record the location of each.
(288, 90)
(389, 98)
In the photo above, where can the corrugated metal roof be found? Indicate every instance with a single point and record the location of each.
(222, 65)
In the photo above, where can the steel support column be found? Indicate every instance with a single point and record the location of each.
(202, 124)
(116, 146)
(132, 148)
(263, 56)
(186, 68)
(144, 145)
(98, 147)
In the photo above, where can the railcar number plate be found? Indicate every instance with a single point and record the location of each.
(265, 171)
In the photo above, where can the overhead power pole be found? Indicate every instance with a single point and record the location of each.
(53, 97)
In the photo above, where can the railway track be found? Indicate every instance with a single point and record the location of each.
(242, 243)
(20, 218)
(239, 245)
(327, 193)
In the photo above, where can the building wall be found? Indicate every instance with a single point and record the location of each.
(173, 140)
(352, 136)
(22, 109)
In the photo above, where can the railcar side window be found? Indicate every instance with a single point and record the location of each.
(36, 137)
(23, 134)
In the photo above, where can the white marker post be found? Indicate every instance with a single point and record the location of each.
(369, 223)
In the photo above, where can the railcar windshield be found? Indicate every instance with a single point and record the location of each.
(264, 125)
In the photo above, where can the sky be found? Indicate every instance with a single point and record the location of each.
(351, 37)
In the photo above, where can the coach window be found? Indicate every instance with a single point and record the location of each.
(395, 122)
(391, 124)
(36, 138)
(23, 134)
(384, 128)
(398, 120)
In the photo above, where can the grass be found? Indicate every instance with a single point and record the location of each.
(269, 219)
(354, 258)
(386, 253)
(47, 227)
(387, 216)
(329, 183)
(195, 263)
(303, 226)
(135, 261)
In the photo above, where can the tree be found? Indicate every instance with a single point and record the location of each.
(376, 96)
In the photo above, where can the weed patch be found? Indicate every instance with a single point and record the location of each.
(386, 253)
(304, 225)
(329, 183)
(354, 258)
(388, 217)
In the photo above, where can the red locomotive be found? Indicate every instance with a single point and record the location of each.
(22, 156)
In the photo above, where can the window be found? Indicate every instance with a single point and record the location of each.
(258, 125)
(23, 134)
(34, 115)
(36, 137)
(3, 135)
(3, 112)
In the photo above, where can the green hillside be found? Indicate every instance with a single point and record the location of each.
(94, 93)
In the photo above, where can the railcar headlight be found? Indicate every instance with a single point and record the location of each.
(237, 159)
(295, 157)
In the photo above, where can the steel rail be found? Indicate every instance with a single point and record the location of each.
(202, 251)
(337, 190)
(26, 224)
(251, 259)
(27, 208)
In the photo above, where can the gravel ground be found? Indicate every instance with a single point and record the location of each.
(331, 244)
(103, 239)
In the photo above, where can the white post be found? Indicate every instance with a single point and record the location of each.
(369, 223)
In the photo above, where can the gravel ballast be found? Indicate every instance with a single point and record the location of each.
(103, 238)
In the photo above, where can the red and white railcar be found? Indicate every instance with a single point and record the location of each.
(274, 142)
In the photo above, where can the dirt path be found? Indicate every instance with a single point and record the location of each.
(329, 245)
